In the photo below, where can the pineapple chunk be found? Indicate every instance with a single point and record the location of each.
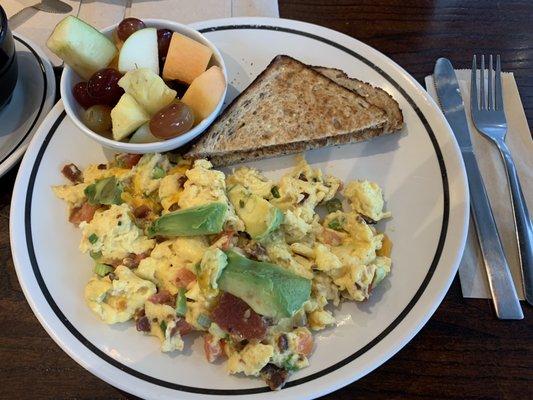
(81, 46)
(127, 116)
(148, 89)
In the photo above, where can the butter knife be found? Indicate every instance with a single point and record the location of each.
(501, 283)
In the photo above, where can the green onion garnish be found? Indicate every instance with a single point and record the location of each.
(181, 302)
(102, 269)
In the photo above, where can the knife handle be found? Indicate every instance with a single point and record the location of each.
(500, 281)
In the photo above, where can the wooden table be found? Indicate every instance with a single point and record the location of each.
(463, 352)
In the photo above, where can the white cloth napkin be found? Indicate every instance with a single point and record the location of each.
(37, 25)
(471, 271)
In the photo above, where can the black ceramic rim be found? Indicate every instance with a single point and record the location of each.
(3, 24)
(208, 391)
(45, 91)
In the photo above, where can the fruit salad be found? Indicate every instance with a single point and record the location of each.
(142, 85)
(242, 262)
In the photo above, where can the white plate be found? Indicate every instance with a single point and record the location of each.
(420, 170)
(32, 99)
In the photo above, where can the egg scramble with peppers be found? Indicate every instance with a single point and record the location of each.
(245, 262)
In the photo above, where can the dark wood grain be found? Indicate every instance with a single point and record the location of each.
(463, 352)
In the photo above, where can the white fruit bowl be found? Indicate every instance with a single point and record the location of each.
(69, 78)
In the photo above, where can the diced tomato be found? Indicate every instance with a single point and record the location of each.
(305, 343)
(85, 212)
(72, 173)
(162, 297)
(184, 277)
(182, 326)
(331, 237)
(212, 348)
(127, 160)
(236, 317)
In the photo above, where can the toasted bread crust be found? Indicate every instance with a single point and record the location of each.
(289, 108)
(372, 94)
(223, 159)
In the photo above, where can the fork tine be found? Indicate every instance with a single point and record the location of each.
(473, 84)
(482, 83)
(490, 104)
(498, 100)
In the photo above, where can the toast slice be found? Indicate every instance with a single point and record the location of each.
(288, 108)
(373, 95)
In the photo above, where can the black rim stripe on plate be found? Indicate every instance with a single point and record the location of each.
(191, 389)
(45, 90)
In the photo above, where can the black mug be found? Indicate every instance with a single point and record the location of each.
(8, 61)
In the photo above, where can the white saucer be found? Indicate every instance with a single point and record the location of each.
(31, 101)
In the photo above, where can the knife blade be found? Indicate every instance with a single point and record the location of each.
(501, 283)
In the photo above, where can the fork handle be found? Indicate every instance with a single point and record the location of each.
(524, 229)
(499, 275)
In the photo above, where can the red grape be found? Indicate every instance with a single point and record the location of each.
(128, 26)
(79, 91)
(179, 87)
(173, 120)
(163, 41)
(103, 87)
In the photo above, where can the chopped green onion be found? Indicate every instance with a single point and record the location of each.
(181, 302)
(95, 255)
(158, 172)
(93, 238)
(104, 191)
(275, 192)
(102, 269)
(335, 224)
(163, 326)
(204, 321)
(288, 365)
(333, 205)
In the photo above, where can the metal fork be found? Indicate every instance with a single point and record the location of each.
(489, 118)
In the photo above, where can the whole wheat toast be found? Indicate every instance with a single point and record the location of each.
(289, 108)
(373, 95)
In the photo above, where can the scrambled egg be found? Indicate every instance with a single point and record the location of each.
(169, 258)
(145, 174)
(113, 233)
(206, 185)
(366, 198)
(213, 262)
(170, 285)
(72, 194)
(252, 180)
(117, 300)
(162, 322)
(251, 359)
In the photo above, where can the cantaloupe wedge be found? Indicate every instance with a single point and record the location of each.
(204, 93)
(186, 59)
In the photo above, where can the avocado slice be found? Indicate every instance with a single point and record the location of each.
(206, 219)
(267, 288)
(259, 216)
